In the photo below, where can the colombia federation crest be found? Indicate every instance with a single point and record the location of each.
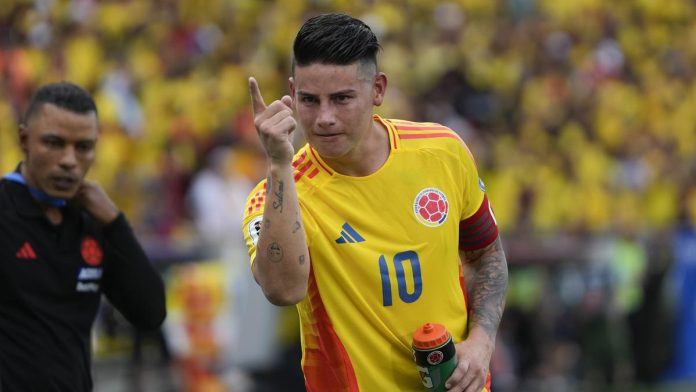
(431, 207)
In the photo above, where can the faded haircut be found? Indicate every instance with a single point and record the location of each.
(65, 95)
(336, 39)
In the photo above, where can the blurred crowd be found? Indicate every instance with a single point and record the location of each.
(580, 114)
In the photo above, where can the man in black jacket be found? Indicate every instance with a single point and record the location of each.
(63, 243)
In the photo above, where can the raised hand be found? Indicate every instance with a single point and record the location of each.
(97, 203)
(274, 124)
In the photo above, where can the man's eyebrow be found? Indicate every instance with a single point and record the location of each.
(340, 92)
(50, 134)
(343, 92)
(54, 136)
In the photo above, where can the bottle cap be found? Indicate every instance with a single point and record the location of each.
(430, 335)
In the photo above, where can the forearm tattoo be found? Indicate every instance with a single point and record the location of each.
(278, 202)
(275, 252)
(490, 286)
(296, 227)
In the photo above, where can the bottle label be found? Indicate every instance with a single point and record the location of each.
(435, 357)
(434, 377)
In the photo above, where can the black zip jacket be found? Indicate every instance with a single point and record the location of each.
(51, 281)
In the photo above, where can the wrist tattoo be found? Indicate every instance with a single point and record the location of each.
(278, 203)
(302, 259)
(297, 226)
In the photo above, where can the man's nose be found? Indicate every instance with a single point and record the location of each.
(68, 158)
(327, 114)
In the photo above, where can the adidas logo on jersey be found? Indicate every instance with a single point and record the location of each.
(26, 252)
(349, 235)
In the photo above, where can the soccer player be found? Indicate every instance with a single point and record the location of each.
(362, 228)
(63, 243)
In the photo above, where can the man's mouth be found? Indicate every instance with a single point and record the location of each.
(63, 183)
(328, 135)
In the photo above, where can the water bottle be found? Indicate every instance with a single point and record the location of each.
(435, 355)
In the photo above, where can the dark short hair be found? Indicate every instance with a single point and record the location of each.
(65, 95)
(337, 39)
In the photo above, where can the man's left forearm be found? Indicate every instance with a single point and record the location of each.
(487, 286)
(132, 284)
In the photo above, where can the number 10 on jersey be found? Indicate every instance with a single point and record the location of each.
(397, 268)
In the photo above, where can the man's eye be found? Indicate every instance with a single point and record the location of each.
(306, 99)
(52, 142)
(85, 147)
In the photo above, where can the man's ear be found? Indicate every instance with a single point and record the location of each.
(291, 88)
(379, 88)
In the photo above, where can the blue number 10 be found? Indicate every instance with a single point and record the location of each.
(399, 260)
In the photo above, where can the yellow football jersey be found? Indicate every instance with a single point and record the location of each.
(384, 255)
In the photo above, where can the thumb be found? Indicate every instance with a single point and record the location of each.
(287, 101)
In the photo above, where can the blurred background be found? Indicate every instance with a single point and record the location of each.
(581, 114)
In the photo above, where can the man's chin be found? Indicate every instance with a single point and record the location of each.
(329, 152)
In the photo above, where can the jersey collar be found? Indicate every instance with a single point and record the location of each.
(39, 195)
(394, 141)
(394, 144)
(21, 197)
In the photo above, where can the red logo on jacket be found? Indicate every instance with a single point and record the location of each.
(91, 251)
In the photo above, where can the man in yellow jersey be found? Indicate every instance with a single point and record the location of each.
(364, 226)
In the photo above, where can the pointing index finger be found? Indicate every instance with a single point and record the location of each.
(257, 103)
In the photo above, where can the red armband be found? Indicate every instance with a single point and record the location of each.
(478, 230)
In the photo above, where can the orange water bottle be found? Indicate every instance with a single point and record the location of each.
(435, 355)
